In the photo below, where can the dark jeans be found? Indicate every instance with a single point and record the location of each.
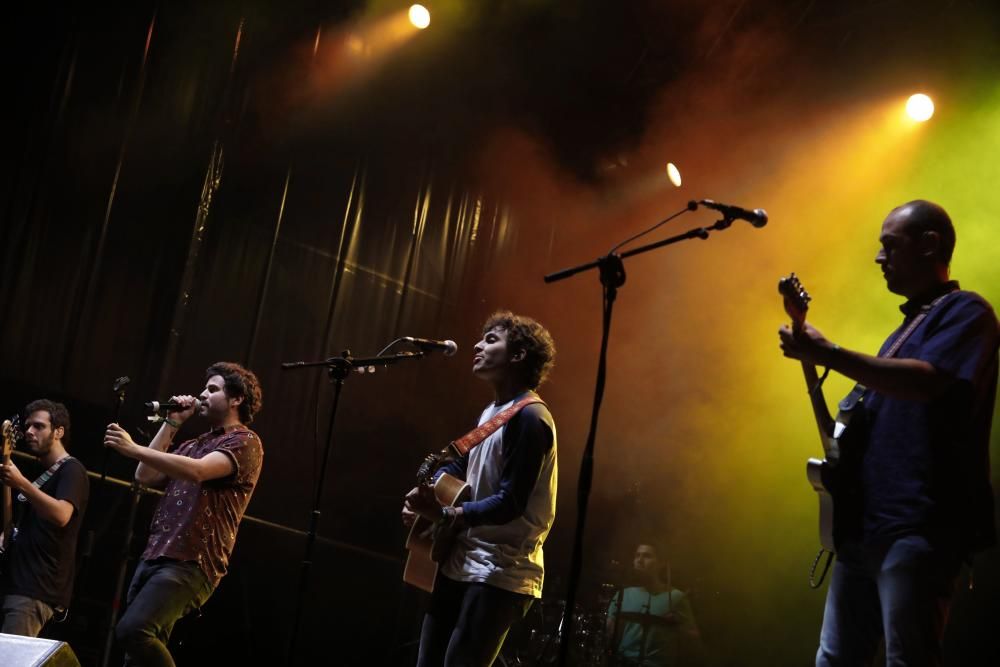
(162, 591)
(466, 623)
(899, 590)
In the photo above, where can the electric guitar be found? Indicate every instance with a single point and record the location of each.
(11, 433)
(430, 541)
(834, 477)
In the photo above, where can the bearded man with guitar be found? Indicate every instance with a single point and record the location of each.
(494, 569)
(40, 555)
(918, 479)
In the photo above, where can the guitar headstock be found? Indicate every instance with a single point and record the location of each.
(796, 298)
(433, 462)
(11, 434)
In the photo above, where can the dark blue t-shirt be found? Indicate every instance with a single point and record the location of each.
(926, 467)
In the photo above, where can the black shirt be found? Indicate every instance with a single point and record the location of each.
(42, 558)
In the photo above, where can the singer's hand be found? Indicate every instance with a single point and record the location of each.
(119, 440)
(181, 416)
(12, 477)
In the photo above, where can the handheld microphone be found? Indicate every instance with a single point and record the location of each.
(447, 347)
(167, 406)
(756, 217)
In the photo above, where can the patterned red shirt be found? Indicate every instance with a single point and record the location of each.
(197, 521)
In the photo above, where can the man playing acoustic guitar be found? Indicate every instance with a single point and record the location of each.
(923, 469)
(495, 568)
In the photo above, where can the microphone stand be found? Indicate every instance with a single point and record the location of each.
(611, 270)
(119, 388)
(338, 369)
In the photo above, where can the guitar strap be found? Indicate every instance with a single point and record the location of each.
(465, 444)
(924, 312)
(859, 389)
(45, 476)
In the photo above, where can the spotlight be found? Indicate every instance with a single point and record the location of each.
(674, 174)
(919, 107)
(419, 16)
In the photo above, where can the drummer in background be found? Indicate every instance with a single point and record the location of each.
(651, 624)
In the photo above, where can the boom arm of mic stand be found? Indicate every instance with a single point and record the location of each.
(349, 361)
(697, 232)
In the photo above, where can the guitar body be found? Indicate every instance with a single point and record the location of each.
(819, 473)
(429, 541)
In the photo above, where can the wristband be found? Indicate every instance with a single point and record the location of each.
(171, 422)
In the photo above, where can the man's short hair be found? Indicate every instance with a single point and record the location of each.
(524, 333)
(926, 216)
(239, 382)
(58, 414)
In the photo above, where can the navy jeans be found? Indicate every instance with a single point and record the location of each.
(899, 590)
(162, 591)
(467, 622)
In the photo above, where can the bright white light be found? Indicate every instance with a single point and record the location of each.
(674, 174)
(919, 107)
(419, 16)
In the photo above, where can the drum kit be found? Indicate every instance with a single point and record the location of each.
(535, 641)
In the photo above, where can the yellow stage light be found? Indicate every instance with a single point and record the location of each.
(419, 16)
(919, 107)
(674, 174)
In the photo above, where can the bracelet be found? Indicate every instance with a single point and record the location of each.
(171, 422)
(449, 515)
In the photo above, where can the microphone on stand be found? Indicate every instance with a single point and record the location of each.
(167, 406)
(447, 347)
(757, 217)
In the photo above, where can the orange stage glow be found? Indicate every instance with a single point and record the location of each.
(344, 58)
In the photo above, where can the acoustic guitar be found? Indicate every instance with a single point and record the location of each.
(430, 541)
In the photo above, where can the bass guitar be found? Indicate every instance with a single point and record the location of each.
(11, 433)
(832, 476)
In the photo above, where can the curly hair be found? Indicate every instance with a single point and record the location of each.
(239, 382)
(58, 414)
(524, 333)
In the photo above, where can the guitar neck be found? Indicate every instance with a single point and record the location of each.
(824, 421)
(8, 516)
(8, 508)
